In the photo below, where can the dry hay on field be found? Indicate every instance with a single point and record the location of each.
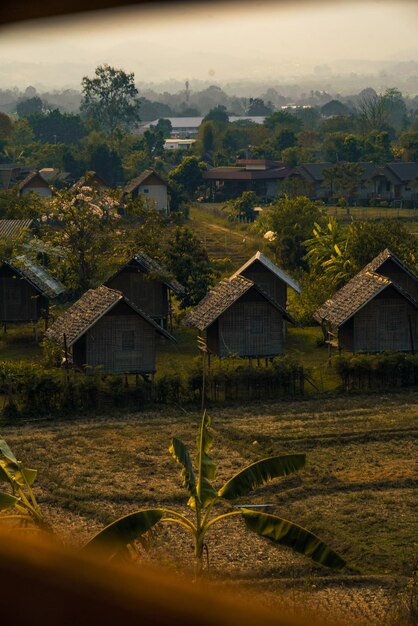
(357, 491)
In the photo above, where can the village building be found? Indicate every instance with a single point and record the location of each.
(179, 144)
(395, 182)
(25, 179)
(262, 176)
(148, 285)
(35, 183)
(26, 289)
(152, 187)
(240, 319)
(311, 177)
(374, 311)
(267, 275)
(104, 330)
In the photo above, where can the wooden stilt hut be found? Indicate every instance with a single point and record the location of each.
(26, 289)
(240, 318)
(371, 313)
(103, 329)
(148, 285)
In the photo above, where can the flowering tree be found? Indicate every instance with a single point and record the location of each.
(82, 225)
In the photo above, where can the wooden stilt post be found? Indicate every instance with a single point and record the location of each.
(66, 358)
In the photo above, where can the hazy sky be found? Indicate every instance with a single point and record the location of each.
(261, 40)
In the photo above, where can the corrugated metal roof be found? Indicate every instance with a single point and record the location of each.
(277, 271)
(87, 311)
(38, 276)
(13, 229)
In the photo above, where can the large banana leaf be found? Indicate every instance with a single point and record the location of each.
(286, 533)
(6, 452)
(115, 537)
(7, 500)
(259, 473)
(180, 453)
(14, 472)
(206, 466)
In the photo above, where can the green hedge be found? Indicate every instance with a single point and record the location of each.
(33, 390)
(377, 371)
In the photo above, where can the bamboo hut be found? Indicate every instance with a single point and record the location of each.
(371, 313)
(26, 289)
(240, 318)
(103, 329)
(148, 285)
(267, 275)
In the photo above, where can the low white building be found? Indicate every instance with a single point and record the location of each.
(179, 144)
(152, 187)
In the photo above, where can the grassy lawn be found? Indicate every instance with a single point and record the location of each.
(356, 492)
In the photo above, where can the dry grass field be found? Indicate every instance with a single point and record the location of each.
(357, 491)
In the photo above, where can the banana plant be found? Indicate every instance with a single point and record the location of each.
(18, 503)
(119, 537)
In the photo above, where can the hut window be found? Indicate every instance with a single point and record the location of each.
(128, 340)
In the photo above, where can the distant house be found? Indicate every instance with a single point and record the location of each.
(394, 181)
(26, 289)
(148, 285)
(103, 329)
(262, 176)
(152, 187)
(240, 318)
(25, 179)
(373, 312)
(312, 177)
(267, 275)
(179, 144)
(35, 183)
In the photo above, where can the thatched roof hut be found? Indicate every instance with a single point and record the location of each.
(240, 318)
(103, 329)
(371, 313)
(147, 284)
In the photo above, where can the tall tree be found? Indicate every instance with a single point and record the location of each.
(110, 99)
(188, 261)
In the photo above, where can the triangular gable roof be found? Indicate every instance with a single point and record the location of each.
(223, 296)
(358, 292)
(88, 310)
(376, 263)
(37, 276)
(312, 171)
(30, 177)
(277, 271)
(151, 266)
(141, 179)
(404, 171)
